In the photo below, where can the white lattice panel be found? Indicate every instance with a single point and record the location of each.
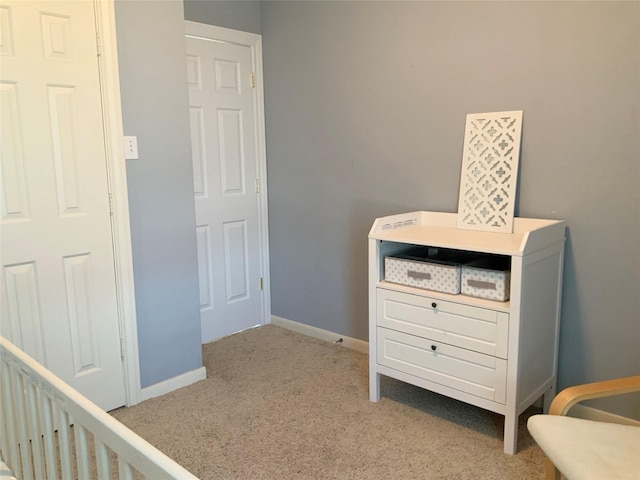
(489, 171)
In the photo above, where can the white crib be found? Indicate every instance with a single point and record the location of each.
(50, 431)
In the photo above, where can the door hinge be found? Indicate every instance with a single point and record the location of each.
(257, 185)
(121, 347)
(110, 203)
(253, 80)
(261, 283)
(98, 45)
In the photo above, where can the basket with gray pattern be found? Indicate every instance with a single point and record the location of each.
(488, 277)
(428, 268)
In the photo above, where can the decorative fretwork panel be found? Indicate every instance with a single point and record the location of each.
(489, 171)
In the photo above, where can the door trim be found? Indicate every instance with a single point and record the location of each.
(117, 180)
(254, 42)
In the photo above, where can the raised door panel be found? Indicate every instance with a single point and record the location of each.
(14, 206)
(22, 324)
(198, 152)
(236, 252)
(65, 136)
(232, 158)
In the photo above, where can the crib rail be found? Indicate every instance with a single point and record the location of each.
(50, 431)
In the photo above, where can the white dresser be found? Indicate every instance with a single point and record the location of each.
(501, 356)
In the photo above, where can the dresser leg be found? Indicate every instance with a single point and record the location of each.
(511, 434)
(374, 386)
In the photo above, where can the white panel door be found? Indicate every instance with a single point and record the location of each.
(58, 277)
(223, 135)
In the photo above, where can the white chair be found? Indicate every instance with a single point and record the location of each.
(585, 449)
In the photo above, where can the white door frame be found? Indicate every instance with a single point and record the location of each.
(254, 42)
(119, 198)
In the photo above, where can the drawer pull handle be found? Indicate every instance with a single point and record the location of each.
(482, 285)
(418, 275)
(434, 304)
(433, 347)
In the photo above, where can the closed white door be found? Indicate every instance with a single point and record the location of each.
(58, 279)
(223, 135)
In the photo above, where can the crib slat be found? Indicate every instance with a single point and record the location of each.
(5, 413)
(102, 460)
(21, 417)
(49, 438)
(70, 407)
(34, 430)
(82, 452)
(125, 471)
(64, 443)
(10, 436)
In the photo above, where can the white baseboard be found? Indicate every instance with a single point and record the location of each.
(173, 384)
(315, 332)
(590, 413)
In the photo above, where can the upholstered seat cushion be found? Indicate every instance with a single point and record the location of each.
(585, 449)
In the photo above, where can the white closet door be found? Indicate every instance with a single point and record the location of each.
(58, 277)
(223, 133)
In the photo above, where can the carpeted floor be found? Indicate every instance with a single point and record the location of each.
(281, 405)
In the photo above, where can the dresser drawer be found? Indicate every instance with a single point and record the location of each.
(474, 373)
(478, 329)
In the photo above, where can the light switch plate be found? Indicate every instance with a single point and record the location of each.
(130, 148)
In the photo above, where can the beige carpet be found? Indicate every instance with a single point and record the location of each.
(280, 405)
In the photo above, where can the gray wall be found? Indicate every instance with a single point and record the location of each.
(365, 108)
(155, 109)
(237, 14)
(365, 112)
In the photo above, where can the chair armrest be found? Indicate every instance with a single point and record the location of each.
(568, 397)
